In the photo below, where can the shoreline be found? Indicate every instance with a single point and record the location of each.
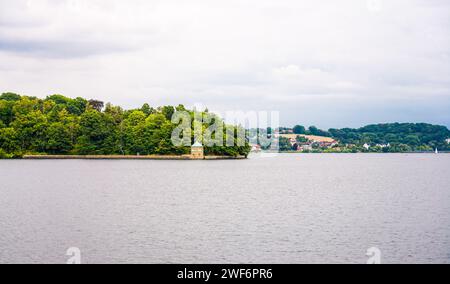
(128, 157)
(183, 157)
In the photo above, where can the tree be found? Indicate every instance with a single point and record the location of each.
(147, 109)
(285, 144)
(77, 106)
(59, 140)
(31, 130)
(157, 134)
(98, 134)
(8, 140)
(133, 127)
(313, 130)
(318, 132)
(180, 108)
(116, 112)
(167, 111)
(74, 106)
(298, 129)
(95, 104)
(26, 105)
(10, 97)
(59, 99)
(302, 139)
(6, 111)
(412, 140)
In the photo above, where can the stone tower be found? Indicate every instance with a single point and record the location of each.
(197, 151)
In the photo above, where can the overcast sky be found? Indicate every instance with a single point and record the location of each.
(327, 63)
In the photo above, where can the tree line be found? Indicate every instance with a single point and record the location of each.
(387, 137)
(62, 125)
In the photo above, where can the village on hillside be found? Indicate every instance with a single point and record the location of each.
(301, 143)
(304, 143)
(288, 141)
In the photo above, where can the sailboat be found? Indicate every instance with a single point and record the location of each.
(436, 151)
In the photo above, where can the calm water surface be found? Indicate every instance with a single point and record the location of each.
(287, 209)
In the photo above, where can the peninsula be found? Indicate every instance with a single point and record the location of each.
(59, 127)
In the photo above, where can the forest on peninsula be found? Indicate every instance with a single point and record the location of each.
(58, 125)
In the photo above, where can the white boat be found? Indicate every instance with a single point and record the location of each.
(437, 152)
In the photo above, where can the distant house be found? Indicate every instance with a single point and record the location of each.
(306, 147)
(366, 146)
(256, 148)
(448, 140)
(327, 144)
(384, 145)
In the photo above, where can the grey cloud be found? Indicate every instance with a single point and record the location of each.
(324, 62)
(68, 28)
(61, 49)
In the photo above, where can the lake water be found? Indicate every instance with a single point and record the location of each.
(322, 208)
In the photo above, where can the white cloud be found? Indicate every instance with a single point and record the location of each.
(312, 60)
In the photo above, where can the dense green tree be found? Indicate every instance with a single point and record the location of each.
(73, 106)
(167, 111)
(59, 99)
(9, 142)
(157, 134)
(96, 104)
(133, 129)
(298, 129)
(10, 97)
(284, 144)
(116, 112)
(26, 105)
(98, 134)
(6, 111)
(312, 130)
(59, 138)
(180, 108)
(402, 137)
(77, 106)
(31, 130)
(147, 109)
(301, 139)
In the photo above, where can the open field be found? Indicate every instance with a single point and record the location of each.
(309, 137)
